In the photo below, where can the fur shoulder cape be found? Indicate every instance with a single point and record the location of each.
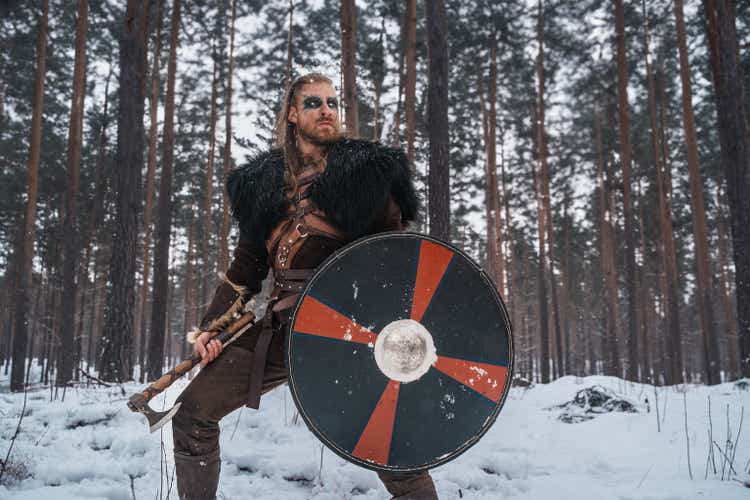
(358, 179)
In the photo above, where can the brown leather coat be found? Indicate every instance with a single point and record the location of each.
(388, 205)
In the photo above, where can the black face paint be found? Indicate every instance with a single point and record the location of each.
(312, 102)
(315, 102)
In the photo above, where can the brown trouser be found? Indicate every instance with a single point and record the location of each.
(222, 387)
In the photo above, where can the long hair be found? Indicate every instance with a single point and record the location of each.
(284, 135)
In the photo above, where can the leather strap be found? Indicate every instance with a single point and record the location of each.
(259, 362)
(293, 274)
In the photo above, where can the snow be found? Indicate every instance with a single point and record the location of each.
(90, 446)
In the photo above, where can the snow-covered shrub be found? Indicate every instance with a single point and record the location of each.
(592, 401)
(14, 471)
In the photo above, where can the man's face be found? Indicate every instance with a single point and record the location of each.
(315, 112)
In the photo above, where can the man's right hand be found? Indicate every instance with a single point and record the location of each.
(207, 347)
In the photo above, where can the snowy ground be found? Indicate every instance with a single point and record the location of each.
(92, 446)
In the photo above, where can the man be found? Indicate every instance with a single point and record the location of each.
(313, 193)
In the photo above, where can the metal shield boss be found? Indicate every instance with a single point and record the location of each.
(400, 352)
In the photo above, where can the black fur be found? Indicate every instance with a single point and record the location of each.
(355, 186)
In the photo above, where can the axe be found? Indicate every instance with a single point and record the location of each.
(138, 402)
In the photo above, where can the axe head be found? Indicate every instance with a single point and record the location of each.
(156, 419)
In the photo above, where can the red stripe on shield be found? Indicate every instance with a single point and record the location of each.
(316, 318)
(433, 261)
(374, 444)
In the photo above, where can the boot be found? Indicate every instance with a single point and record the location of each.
(197, 475)
(409, 486)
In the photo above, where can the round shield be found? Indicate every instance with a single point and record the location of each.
(400, 352)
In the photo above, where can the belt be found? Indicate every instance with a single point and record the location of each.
(292, 280)
(287, 280)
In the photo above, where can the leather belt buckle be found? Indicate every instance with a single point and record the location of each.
(299, 231)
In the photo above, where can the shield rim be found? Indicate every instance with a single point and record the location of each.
(489, 422)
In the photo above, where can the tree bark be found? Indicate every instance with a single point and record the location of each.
(289, 47)
(725, 289)
(631, 372)
(544, 179)
(728, 76)
(227, 163)
(163, 228)
(704, 291)
(24, 277)
(607, 257)
(438, 183)
(492, 202)
(150, 175)
(411, 76)
(209, 189)
(378, 83)
(70, 219)
(117, 353)
(396, 127)
(348, 63)
(666, 246)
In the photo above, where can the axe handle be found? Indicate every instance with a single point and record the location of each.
(225, 337)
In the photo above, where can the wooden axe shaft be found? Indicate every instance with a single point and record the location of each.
(227, 336)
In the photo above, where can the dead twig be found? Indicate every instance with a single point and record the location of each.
(656, 398)
(92, 378)
(737, 437)
(132, 485)
(644, 476)
(725, 456)
(727, 446)
(687, 437)
(237, 423)
(15, 434)
(710, 458)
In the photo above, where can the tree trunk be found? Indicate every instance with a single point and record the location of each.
(411, 76)
(378, 83)
(227, 163)
(728, 76)
(70, 219)
(542, 285)
(117, 352)
(189, 280)
(150, 175)
(438, 182)
(289, 47)
(626, 154)
(209, 190)
(544, 179)
(396, 130)
(348, 64)
(163, 228)
(606, 252)
(704, 291)
(643, 296)
(492, 202)
(725, 289)
(24, 269)
(666, 246)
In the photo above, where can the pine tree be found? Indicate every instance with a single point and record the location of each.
(116, 353)
(70, 221)
(26, 254)
(164, 226)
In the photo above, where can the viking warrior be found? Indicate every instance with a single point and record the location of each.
(313, 193)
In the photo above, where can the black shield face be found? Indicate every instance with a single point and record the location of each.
(400, 352)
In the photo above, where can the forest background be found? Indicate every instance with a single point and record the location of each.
(593, 156)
